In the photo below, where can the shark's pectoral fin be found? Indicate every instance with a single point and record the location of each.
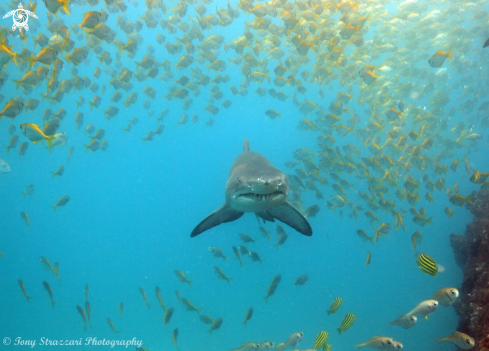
(265, 216)
(291, 216)
(222, 215)
(233, 217)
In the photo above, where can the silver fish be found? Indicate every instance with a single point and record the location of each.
(4, 166)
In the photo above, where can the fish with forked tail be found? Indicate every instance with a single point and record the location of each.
(462, 340)
(50, 292)
(273, 286)
(424, 309)
(446, 296)
(405, 321)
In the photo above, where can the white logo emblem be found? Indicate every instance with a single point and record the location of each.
(20, 17)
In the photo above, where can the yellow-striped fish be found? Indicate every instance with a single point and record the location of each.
(56, 271)
(25, 218)
(47, 265)
(158, 294)
(347, 322)
(141, 290)
(327, 347)
(34, 133)
(174, 337)
(417, 238)
(112, 326)
(50, 292)
(80, 310)
(236, 252)
(361, 233)
(449, 212)
(248, 316)
(369, 256)
(189, 306)
(87, 307)
(216, 325)
(427, 264)
(220, 274)
(321, 339)
(273, 286)
(22, 287)
(335, 305)
(302, 280)
(182, 278)
(167, 316)
(205, 319)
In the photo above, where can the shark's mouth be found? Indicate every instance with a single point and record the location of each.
(261, 197)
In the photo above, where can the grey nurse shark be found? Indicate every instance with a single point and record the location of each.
(255, 185)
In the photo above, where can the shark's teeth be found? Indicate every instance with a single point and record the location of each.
(261, 197)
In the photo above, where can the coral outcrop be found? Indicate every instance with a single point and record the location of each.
(472, 254)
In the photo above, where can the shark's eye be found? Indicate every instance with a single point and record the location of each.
(467, 341)
(389, 342)
(239, 180)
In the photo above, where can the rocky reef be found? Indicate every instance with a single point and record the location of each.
(472, 255)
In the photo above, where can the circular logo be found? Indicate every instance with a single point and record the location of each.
(20, 17)
(6, 341)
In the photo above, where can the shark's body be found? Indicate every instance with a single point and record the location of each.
(255, 185)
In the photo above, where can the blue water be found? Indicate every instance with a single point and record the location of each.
(132, 208)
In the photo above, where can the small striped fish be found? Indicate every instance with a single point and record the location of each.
(321, 339)
(347, 322)
(174, 337)
(335, 305)
(327, 347)
(248, 316)
(427, 264)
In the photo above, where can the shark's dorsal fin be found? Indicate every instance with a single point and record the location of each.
(246, 145)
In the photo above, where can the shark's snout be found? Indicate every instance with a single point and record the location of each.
(258, 193)
(268, 185)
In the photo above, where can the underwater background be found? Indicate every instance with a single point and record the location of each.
(132, 206)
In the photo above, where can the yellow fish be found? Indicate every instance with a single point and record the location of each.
(459, 200)
(449, 212)
(22, 287)
(25, 218)
(7, 51)
(174, 337)
(112, 326)
(12, 109)
(182, 278)
(62, 201)
(158, 294)
(34, 133)
(438, 58)
(462, 340)
(46, 56)
(141, 290)
(369, 257)
(248, 315)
